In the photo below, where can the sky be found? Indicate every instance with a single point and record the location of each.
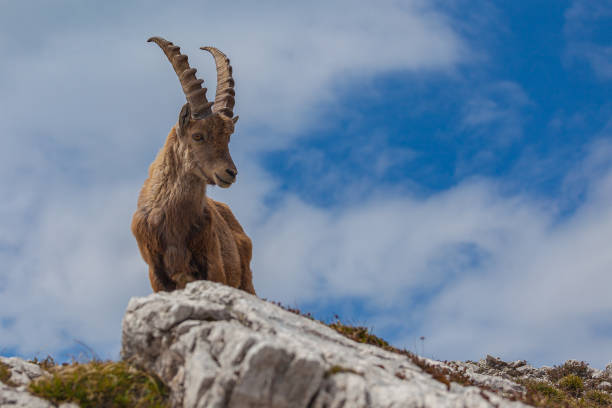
(436, 169)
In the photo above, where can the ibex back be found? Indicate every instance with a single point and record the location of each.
(182, 234)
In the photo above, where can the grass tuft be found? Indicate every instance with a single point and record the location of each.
(5, 375)
(359, 334)
(572, 384)
(571, 367)
(599, 397)
(46, 364)
(543, 394)
(101, 384)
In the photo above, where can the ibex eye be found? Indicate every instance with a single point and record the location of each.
(198, 137)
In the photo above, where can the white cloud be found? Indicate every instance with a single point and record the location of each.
(582, 20)
(86, 103)
(545, 297)
(107, 83)
(498, 107)
(505, 274)
(600, 58)
(73, 274)
(506, 277)
(391, 245)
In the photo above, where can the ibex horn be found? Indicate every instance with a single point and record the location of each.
(224, 97)
(192, 87)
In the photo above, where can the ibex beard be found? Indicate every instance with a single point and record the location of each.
(182, 234)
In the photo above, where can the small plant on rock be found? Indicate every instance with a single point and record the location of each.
(599, 397)
(546, 390)
(577, 368)
(5, 375)
(101, 384)
(572, 384)
(46, 363)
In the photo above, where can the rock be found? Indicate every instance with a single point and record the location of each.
(605, 386)
(499, 381)
(518, 363)
(520, 370)
(598, 374)
(216, 346)
(22, 372)
(495, 362)
(506, 373)
(524, 369)
(16, 394)
(608, 370)
(19, 397)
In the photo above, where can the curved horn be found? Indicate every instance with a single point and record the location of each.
(192, 87)
(224, 97)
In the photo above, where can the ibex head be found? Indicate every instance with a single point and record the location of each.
(204, 133)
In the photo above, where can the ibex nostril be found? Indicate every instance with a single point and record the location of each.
(231, 172)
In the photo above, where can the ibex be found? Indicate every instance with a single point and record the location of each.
(182, 234)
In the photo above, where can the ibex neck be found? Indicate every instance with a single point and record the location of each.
(173, 183)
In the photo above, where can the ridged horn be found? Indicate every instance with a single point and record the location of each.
(192, 87)
(224, 97)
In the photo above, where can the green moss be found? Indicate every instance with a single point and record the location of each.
(5, 375)
(101, 384)
(336, 369)
(572, 384)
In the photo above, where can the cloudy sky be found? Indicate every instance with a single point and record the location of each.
(424, 168)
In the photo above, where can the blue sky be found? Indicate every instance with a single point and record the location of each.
(437, 169)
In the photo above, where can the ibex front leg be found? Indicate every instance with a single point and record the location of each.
(179, 263)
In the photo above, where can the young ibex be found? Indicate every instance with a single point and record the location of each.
(182, 234)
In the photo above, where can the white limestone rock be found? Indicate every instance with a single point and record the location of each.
(608, 370)
(605, 386)
(22, 372)
(17, 395)
(216, 346)
(498, 381)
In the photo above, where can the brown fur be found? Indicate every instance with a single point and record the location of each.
(182, 234)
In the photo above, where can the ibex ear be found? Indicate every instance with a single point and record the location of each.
(184, 116)
(235, 119)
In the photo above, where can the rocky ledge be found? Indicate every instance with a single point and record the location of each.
(215, 346)
(13, 390)
(520, 371)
